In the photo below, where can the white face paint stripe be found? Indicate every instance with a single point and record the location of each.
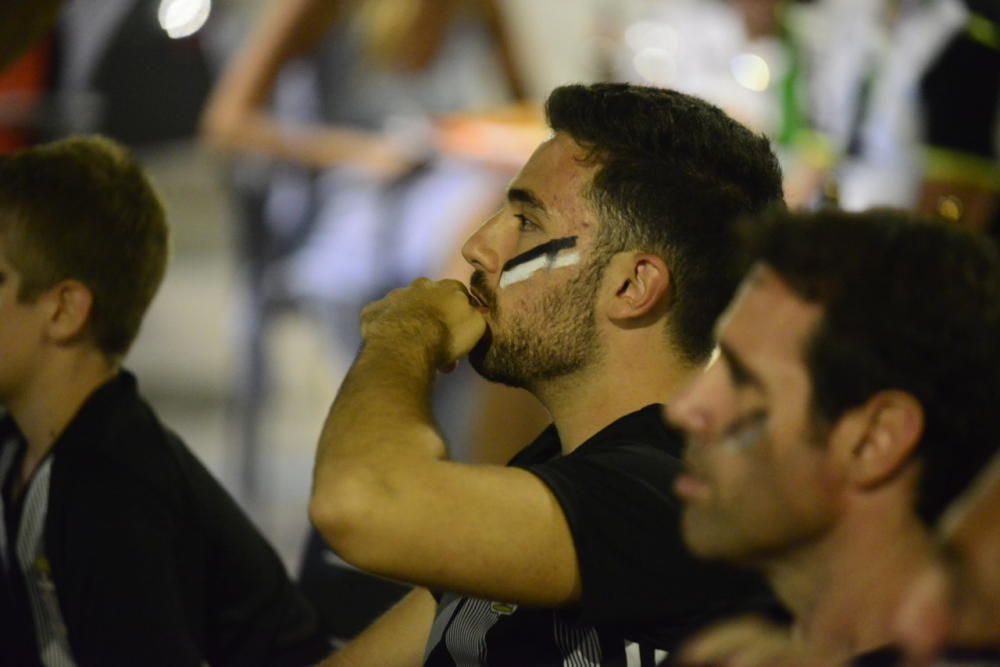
(530, 268)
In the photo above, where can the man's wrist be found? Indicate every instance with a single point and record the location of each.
(421, 341)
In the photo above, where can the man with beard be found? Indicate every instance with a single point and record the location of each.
(596, 286)
(854, 398)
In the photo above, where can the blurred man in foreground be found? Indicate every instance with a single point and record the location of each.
(595, 287)
(853, 400)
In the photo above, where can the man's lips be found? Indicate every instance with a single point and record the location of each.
(478, 302)
(691, 488)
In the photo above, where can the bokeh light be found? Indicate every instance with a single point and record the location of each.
(655, 65)
(183, 18)
(751, 71)
(651, 34)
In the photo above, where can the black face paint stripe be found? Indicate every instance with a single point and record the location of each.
(550, 248)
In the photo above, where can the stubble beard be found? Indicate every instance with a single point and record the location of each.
(554, 339)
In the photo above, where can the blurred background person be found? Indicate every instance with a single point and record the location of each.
(747, 57)
(22, 23)
(22, 88)
(960, 92)
(79, 74)
(25, 62)
(852, 92)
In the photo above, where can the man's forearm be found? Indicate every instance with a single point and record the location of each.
(378, 465)
(378, 434)
(396, 639)
(382, 412)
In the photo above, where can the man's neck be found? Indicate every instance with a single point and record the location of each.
(843, 592)
(585, 402)
(45, 406)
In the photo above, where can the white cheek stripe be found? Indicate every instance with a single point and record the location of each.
(528, 269)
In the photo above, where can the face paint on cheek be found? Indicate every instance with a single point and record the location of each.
(545, 256)
(747, 432)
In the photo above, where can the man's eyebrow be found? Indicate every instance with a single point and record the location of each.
(526, 197)
(741, 373)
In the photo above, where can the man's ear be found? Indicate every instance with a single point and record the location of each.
(639, 282)
(876, 440)
(70, 304)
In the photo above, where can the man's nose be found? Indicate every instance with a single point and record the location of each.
(699, 408)
(480, 250)
(684, 414)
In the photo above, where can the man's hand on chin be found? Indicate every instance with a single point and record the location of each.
(437, 317)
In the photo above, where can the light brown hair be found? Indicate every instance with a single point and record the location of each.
(83, 209)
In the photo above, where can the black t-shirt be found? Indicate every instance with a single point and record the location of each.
(152, 562)
(641, 590)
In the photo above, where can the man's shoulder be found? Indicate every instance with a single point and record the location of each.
(637, 446)
(639, 432)
(543, 448)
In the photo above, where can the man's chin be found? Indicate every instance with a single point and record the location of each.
(481, 361)
(705, 541)
(493, 375)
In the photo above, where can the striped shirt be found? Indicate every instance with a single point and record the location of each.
(22, 557)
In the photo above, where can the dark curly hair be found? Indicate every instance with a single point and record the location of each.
(674, 173)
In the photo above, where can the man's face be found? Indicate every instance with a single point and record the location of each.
(21, 331)
(759, 481)
(535, 272)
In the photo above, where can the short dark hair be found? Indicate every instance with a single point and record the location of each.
(674, 173)
(82, 209)
(908, 304)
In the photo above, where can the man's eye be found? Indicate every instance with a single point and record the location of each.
(524, 223)
(739, 377)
